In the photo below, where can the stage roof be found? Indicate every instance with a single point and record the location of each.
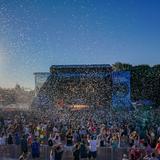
(82, 66)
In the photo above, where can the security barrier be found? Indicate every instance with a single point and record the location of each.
(103, 153)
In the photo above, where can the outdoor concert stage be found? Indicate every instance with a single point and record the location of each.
(88, 85)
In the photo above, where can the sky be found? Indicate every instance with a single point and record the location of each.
(35, 34)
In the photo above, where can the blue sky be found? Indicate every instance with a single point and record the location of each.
(34, 34)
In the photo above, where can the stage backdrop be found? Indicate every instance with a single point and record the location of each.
(121, 89)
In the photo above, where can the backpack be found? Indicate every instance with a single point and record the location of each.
(50, 142)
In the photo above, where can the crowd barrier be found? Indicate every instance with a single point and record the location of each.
(103, 153)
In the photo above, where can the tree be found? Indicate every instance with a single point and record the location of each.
(118, 66)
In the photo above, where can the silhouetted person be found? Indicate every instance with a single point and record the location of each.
(76, 153)
(24, 145)
(10, 139)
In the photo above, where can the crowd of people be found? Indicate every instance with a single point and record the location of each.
(83, 131)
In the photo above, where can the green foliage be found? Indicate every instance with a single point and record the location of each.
(145, 81)
(121, 66)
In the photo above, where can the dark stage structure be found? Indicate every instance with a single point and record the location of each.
(91, 85)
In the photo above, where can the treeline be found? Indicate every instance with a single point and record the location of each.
(145, 84)
(15, 95)
(145, 81)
